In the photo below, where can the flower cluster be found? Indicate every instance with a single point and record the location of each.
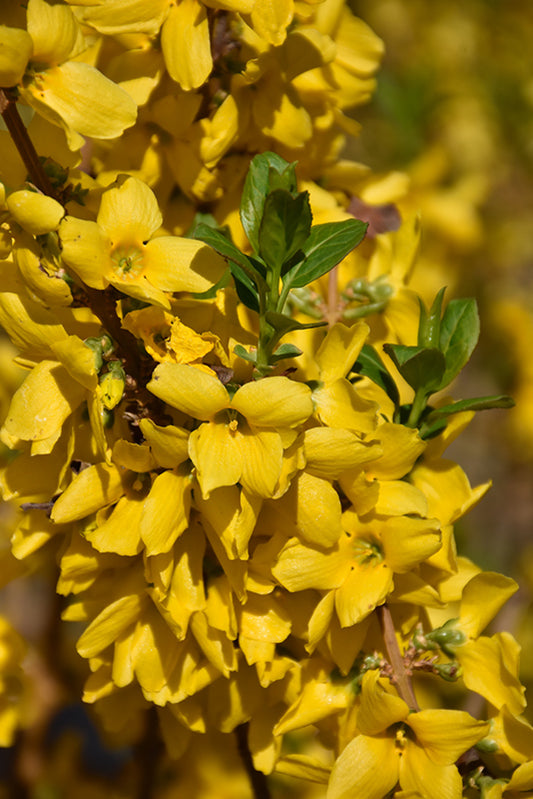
(256, 537)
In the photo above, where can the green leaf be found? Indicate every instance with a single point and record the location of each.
(459, 333)
(436, 419)
(429, 324)
(421, 367)
(369, 364)
(263, 175)
(247, 272)
(326, 245)
(206, 219)
(285, 226)
(284, 324)
(239, 350)
(285, 351)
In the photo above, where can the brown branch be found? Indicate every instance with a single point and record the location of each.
(257, 779)
(24, 145)
(401, 677)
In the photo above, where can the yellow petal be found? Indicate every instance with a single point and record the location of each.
(271, 18)
(274, 402)
(36, 213)
(216, 453)
(43, 402)
(216, 647)
(339, 350)
(136, 457)
(365, 587)
(129, 212)
(367, 769)
(78, 359)
(419, 773)
(166, 511)
(483, 596)
(16, 47)
(84, 99)
(317, 701)
(379, 709)
(54, 31)
(186, 44)
(169, 445)
(338, 404)
(318, 510)
(447, 734)
(40, 276)
(330, 451)
(398, 498)
(93, 488)
(179, 264)
(108, 625)
(120, 532)
(261, 455)
(86, 249)
(522, 778)
(401, 447)
(264, 619)
(299, 567)
(407, 542)
(196, 393)
(232, 513)
(490, 668)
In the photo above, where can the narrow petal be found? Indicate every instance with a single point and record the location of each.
(43, 402)
(169, 445)
(86, 249)
(186, 45)
(483, 596)
(53, 29)
(299, 567)
(93, 488)
(419, 773)
(366, 587)
(36, 213)
(129, 212)
(339, 350)
(330, 451)
(179, 264)
(407, 542)
(108, 625)
(16, 47)
(401, 447)
(190, 390)
(318, 510)
(271, 18)
(262, 459)
(166, 511)
(446, 734)
(379, 709)
(87, 101)
(367, 769)
(274, 402)
(232, 513)
(215, 452)
(120, 532)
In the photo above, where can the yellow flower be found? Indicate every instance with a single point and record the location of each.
(61, 88)
(360, 567)
(241, 438)
(119, 248)
(418, 750)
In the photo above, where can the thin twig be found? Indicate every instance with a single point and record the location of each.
(258, 780)
(24, 145)
(402, 680)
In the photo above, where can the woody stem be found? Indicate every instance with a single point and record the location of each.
(257, 779)
(403, 682)
(23, 143)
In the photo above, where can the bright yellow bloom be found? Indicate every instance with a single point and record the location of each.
(418, 750)
(59, 86)
(360, 568)
(120, 248)
(241, 438)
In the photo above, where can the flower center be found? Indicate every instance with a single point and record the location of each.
(365, 551)
(127, 262)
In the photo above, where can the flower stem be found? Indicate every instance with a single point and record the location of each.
(23, 143)
(403, 682)
(258, 780)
